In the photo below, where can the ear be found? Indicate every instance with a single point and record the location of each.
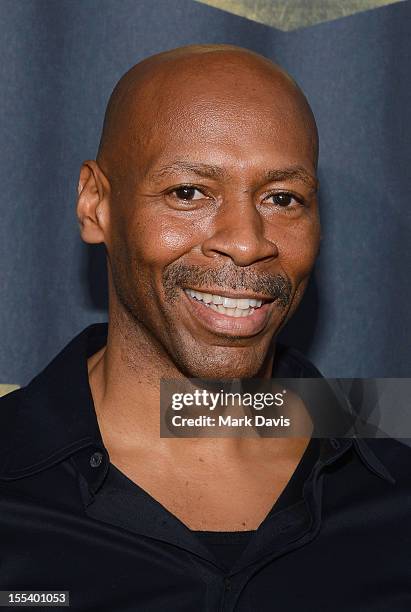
(93, 203)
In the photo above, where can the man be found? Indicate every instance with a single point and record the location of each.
(204, 193)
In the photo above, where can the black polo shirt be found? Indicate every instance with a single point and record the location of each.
(338, 538)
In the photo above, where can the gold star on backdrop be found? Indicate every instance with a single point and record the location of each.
(293, 14)
(7, 388)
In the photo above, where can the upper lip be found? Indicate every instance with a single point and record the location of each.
(232, 294)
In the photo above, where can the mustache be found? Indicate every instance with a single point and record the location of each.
(273, 286)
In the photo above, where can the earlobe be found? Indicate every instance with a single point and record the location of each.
(92, 204)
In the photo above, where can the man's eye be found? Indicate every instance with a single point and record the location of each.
(282, 199)
(186, 192)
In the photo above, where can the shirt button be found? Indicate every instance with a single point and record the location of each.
(227, 584)
(96, 459)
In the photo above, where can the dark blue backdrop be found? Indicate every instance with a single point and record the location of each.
(59, 62)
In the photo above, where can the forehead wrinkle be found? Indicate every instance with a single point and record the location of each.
(203, 170)
(217, 172)
(291, 173)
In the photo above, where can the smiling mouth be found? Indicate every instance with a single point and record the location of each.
(235, 307)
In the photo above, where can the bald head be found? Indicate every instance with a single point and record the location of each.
(190, 85)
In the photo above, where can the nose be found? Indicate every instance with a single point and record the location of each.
(238, 233)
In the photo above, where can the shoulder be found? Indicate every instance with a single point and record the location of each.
(395, 455)
(12, 411)
(10, 404)
(291, 363)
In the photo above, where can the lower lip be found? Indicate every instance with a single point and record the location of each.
(224, 324)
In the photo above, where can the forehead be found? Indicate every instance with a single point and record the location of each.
(226, 134)
(223, 114)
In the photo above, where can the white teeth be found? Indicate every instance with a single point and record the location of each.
(229, 303)
(229, 311)
(243, 304)
(236, 312)
(233, 307)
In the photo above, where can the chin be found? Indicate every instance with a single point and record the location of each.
(222, 366)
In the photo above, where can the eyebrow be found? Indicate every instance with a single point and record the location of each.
(298, 173)
(203, 170)
(294, 173)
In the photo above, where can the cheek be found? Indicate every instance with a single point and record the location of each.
(162, 239)
(298, 250)
(173, 237)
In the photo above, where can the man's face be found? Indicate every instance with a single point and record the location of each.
(214, 224)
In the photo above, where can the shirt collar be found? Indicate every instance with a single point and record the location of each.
(54, 418)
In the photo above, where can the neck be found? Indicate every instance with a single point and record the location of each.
(125, 379)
